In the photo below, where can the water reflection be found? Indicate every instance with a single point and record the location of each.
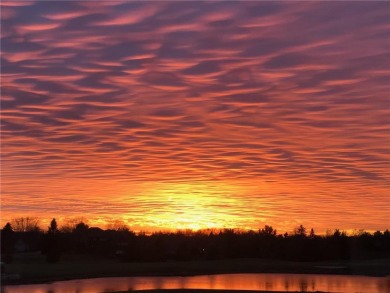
(269, 282)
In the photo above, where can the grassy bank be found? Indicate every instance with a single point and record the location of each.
(34, 269)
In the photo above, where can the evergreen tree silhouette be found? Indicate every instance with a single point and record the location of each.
(53, 243)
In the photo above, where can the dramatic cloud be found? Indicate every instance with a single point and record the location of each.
(195, 114)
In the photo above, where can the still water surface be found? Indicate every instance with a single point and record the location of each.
(270, 282)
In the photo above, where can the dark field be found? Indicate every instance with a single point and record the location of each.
(32, 268)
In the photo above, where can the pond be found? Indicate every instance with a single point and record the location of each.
(269, 282)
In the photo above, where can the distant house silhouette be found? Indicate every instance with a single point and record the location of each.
(21, 246)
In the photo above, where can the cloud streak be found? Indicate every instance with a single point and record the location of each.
(281, 106)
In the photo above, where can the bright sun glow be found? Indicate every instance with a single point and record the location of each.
(193, 206)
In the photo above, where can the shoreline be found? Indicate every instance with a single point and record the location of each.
(43, 273)
(208, 291)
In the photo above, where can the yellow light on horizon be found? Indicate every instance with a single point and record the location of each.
(192, 206)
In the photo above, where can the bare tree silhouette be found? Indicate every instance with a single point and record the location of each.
(300, 231)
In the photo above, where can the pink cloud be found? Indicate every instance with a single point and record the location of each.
(264, 108)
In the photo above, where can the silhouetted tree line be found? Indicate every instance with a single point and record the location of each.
(125, 245)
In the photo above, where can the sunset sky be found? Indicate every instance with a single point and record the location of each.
(171, 115)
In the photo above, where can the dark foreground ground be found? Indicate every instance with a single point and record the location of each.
(32, 268)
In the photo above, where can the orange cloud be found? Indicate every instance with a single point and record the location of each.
(193, 115)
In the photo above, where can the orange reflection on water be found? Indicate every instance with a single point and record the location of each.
(269, 282)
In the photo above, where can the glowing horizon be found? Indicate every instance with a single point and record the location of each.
(170, 207)
(176, 115)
